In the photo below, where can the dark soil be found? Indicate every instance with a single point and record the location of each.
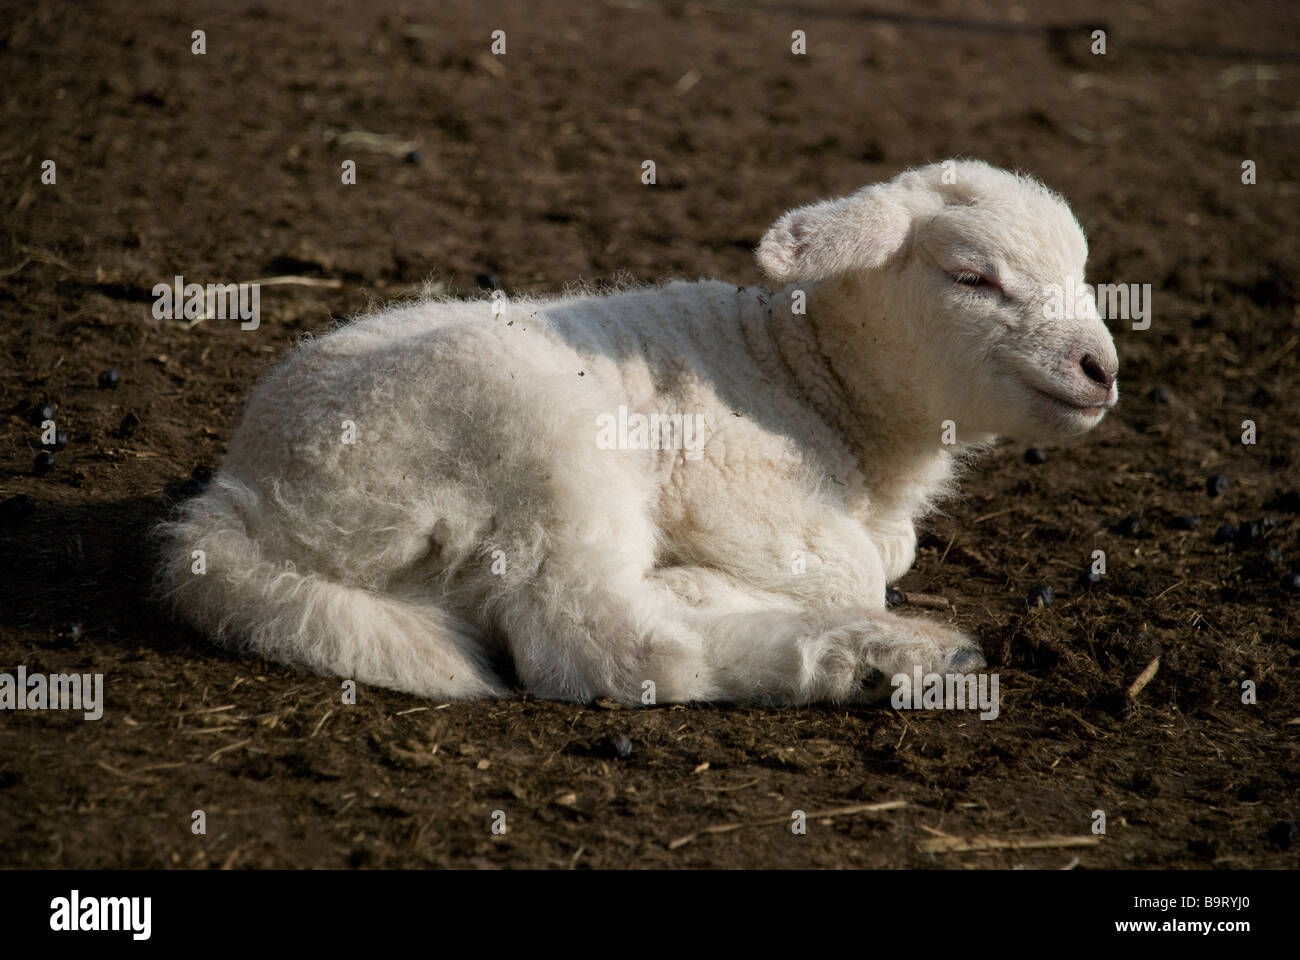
(225, 167)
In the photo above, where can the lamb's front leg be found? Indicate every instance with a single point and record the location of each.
(790, 598)
(762, 646)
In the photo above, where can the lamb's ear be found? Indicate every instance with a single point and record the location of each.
(824, 239)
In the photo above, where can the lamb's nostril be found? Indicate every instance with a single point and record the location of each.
(1095, 371)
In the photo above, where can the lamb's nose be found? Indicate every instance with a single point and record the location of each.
(1095, 372)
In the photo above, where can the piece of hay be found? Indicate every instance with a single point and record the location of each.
(1143, 678)
(946, 843)
(928, 600)
(812, 815)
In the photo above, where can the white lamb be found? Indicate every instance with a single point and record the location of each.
(503, 501)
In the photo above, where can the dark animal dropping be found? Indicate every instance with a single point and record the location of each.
(129, 426)
(44, 410)
(1035, 455)
(1247, 534)
(1284, 834)
(1226, 532)
(1131, 525)
(109, 379)
(1216, 485)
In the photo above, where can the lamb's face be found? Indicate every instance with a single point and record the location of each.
(1023, 350)
(956, 264)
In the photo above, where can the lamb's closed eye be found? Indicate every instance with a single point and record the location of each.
(977, 280)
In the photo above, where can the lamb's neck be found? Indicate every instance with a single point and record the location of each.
(864, 383)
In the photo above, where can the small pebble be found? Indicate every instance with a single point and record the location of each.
(1185, 521)
(1131, 525)
(43, 464)
(1035, 455)
(1284, 834)
(1291, 582)
(893, 597)
(1041, 596)
(109, 379)
(1226, 532)
(1216, 485)
(622, 747)
(17, 507)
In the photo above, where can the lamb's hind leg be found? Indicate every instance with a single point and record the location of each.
(587, 627)
(579, 615)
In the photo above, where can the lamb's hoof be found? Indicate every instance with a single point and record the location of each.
(874, 688)
(965, 660)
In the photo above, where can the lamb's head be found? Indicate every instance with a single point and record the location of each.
(957, 273)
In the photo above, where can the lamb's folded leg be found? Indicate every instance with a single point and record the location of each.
(638, 640)
(762, 646)
(837, 656)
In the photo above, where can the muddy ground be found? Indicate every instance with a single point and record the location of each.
(225, 167)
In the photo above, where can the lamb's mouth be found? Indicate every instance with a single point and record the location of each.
(1088, 410)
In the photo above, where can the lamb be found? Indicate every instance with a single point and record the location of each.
(419, 500)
